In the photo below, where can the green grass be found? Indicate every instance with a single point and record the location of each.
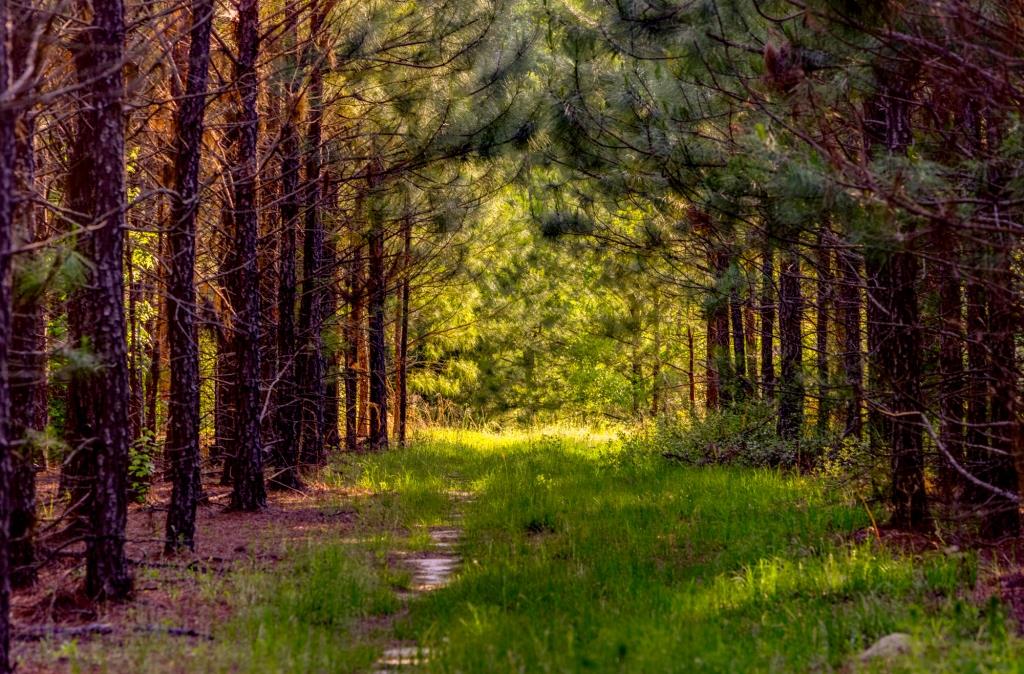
(583, 554)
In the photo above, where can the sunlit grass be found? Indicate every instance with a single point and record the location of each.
(585, 553)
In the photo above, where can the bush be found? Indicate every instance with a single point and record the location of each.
(742, 435)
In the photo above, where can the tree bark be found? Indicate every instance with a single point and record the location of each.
(285, 452)
(97, 419)
(823, 302)
(310, 365)
(791, 386)
(767, 315)
(182, 337)
(7, 184)
(402, 343)
(377, 296)
(354, 283)
(26, 357)
(894, 321)
(848, 304)
(248, 490)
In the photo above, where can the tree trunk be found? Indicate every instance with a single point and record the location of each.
(97, 418)
(823, 301)
(767, 311)
(332, 440)
(402, 343)
(893, 322)
(182, 449)
(848, 304)
(7, 184)
(739, 344)
(791, 386)
(690, 374)
(310, 365)
(377, 295)
(248, 490)
(354, 282)
(951, 371)
(285, 451)
(26, 357)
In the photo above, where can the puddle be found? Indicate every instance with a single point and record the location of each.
(398, 657)
(431, 570)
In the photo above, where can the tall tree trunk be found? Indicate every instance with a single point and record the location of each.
(739, 344)
(791, 385)
(354, 283)
(97, 418)
(976, 390)
(248, 490)
(720, 373)
(690, 374)
(285, 452)
(402, 337)
(767, 312)
(657, 400)
(403, 389)
(183, 339)
(951, 370)
(848, 305)
(7, 170)
(332, 439)
(310, 364)
(893, 323)
(1003, 517)
(377, 296)
(636, 374)
(26, 357)
(823, 302)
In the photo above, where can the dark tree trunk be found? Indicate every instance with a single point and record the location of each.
(332, 439)
(791, 385)
(721, 382)
(154, 327)
(402, 343)
(636, 374)
(182, 449)
(26, 357)
(951, 372)
(310, 365)
(739, 344)
(823, 301)
(899, 360)
(377, 296)
(97, 414)
(135, 394)
(767, 311)
(285, 452)
(1003, 517)
(248, 490)
(7, 170)
(848, 304)
(893, 320)
(690, 374)
(354, 282)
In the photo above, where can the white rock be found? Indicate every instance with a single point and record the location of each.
(889, 646)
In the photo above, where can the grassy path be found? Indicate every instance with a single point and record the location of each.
(581, 556)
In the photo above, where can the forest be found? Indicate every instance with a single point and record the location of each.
(511, 335)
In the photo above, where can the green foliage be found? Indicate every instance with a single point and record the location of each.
(743, 435)
(141, 466)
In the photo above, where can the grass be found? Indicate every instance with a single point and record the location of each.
(584, 554)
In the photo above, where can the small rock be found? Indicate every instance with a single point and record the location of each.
(889, 646)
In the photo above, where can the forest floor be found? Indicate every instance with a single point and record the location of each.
(535, 552)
